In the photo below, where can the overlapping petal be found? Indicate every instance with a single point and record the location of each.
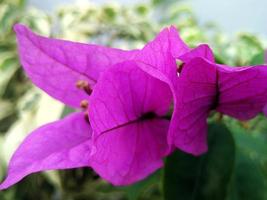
(197, 90)
(126, 112)
(201, 51)
(177, 46)
(129, 153)
(59, 145)
(56, 65)
(128, 105)
(158, 58)
(242, 90)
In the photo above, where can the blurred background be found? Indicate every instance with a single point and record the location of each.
(236, 30)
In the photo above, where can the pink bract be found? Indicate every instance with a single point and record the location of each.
(62, 144)
(127, 115)
(56, 65)
(126, 108)
(127, 95)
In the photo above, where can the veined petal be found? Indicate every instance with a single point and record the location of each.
(124, 94)
(156, 57)
(201, 51)
(177, 46)
(56, 65)
(242, 90)
(197, 89)
(59, 145)
(130, 153)
(126, 113)
(239, 92)
(194, 91)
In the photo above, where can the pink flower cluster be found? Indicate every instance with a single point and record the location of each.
(124, 128)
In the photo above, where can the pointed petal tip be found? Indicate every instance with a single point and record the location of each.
(174, 28)
(4, 186)
(207, 47)
(8, 182)
(171, 29)
(204, 45)
(164, 31)
(168, 29)
(18, 28)
(62, 144)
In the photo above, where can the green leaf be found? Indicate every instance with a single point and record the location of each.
(251, 144)
(67, 110)
(258, 59)
(135, 190)
(248, 180)
(205, 177)
(219, 59)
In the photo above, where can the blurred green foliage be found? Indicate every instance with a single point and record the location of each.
(198, 176)
(22, 106)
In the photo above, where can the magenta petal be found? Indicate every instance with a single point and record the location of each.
(156, 57)
(194, 86)
(123, 94)
(130, 153)
(56, 65)
(243, 91)
(197, 95)
(59, 145)
(202, 51)
(128, 146)
(177, 46)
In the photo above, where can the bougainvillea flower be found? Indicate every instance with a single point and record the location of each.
(127, 115)
(161, 64)
(240, 92)
(202, 86)
(122, 134)
(137, 109)
(133, 115)
(197, 89)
